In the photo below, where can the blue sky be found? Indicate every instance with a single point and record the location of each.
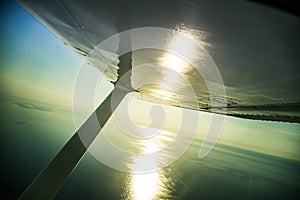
(34, 63)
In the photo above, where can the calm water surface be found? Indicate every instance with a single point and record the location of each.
(228, 172)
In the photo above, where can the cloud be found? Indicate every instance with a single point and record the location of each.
(20, 122)
(30, 104)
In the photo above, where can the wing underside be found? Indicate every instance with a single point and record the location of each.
(260, 81)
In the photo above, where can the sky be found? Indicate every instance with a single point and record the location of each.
(34, 63)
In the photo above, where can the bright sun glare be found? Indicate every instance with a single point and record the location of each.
(145, 186)
(174, 62)
(150, 185)
(183, 42)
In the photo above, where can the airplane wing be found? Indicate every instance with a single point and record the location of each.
(256, 58)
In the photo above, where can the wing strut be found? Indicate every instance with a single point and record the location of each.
(51, 179)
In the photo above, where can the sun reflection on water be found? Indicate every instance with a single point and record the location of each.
(148, 185)
(158, 184)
